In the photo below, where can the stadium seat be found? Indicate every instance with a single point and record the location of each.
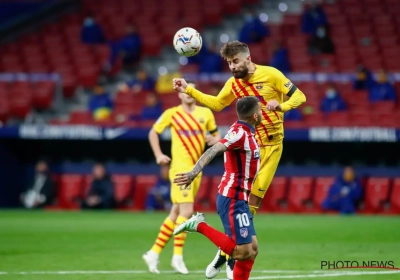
(395, 197)
(202, 202)
(275, 197)
(70, 191)
(322, 186)
(376, 195)
(142, 186)
(123, 188)
(300, 194)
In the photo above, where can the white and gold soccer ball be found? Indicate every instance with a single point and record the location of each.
(187, 41)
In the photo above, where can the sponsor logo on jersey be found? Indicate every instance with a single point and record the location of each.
(231, 135)
(289, 84)
(256, 154)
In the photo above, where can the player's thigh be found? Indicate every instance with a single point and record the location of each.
(181, 194)
(270, 157)
(236, 219)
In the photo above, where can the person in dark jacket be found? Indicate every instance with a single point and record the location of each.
(41, 191)
(101, 192)
(159, 197)
(344, 194)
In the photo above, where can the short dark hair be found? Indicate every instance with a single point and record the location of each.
(246, 107)
(231, 49)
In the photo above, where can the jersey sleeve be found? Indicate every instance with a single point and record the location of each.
(215, 103)
(234, 139)
(282, 83)
(211, 125)
(163, 121)
(285, 86)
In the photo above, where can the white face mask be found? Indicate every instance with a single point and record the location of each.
(331, 93)
(88, 22)
(321, 32)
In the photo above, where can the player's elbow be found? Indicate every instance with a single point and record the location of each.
(302, 97)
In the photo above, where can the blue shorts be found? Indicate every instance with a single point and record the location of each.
(236, 219)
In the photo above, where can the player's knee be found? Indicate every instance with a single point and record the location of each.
(242, 252)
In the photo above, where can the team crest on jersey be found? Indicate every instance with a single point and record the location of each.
(289, 84)
(256, 154)
(231, 135)
(201, 120)
(244, 232)
(259, 86)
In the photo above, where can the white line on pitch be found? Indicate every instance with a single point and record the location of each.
(336, 274)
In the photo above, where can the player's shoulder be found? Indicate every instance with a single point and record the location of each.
(230, 81)
(269, 70)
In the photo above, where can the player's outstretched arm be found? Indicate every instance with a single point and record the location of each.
(185, 179)
(297, 98)
(215, 103)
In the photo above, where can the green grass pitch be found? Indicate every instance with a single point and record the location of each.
(109, 245)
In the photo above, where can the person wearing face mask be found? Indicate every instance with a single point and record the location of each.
(382, 90)
(91, 32)
(344, 193)
(320, 42)
(332, 102)
(253, 30)
(41, 191)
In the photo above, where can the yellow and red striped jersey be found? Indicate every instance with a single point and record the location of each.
(266, 83)
(188, 133)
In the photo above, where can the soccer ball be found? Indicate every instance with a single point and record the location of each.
(187, 41)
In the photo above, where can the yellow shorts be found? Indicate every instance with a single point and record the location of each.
(269, 157)
(181, 195)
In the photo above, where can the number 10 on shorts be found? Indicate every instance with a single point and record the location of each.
(243, 219)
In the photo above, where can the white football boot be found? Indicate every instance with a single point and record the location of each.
(152, 261)
(230, 263)
(190, 225)
(215, 266)
(178, 265)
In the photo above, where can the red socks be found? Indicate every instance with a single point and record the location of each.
(221, 240)
(242, 269)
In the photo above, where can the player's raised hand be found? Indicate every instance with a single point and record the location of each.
(179, 84)
(183, 179)
(163, 159)
(274, 105)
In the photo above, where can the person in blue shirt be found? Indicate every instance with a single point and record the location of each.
(280, 59)
(344, 194)
(363, 79)
(211, 61)
(253, 30)
(91, 32)
(158, 197)
(101, 192)
(313, 17)
(142, 82)
(100, 103)
(153, 108)
(332, 102)
(130, 47)
(382, 90)
(293, 115)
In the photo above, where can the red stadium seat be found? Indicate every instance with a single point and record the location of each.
(376, 194)
(81, 117)
(70, 191)
(202, 202)
(275, 197)
(300, 194)
(123, 188)
(322, 186)
(142, 186)
(395, 197)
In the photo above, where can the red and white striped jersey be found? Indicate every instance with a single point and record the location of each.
(241, 160)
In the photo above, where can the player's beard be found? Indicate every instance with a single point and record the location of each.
(240, 74)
